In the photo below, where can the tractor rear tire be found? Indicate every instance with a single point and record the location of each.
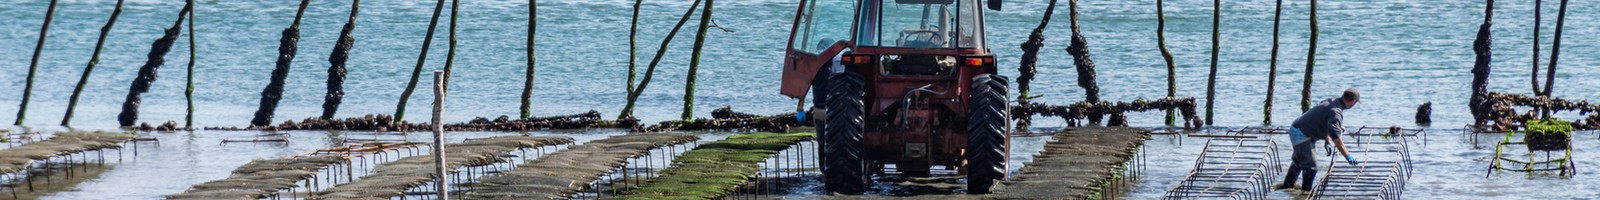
(987, 114)
(845, 170)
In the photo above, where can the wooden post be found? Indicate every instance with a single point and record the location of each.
(400, 109)
(1079, 49)
(633, 36)
(1555, 53)
(27, 89)
(1537, 12)
(147, 73)
(440, 183)
(450, 55)
(633, 96)
(1480, 67)
(1172, 69)
(1211, 80)
(527, 86)
(336, 61)
(1030, 54)
(93, 59)
(1272, 71)
(188, 90)
(1311, 62)
(287, 45)
(694, 63)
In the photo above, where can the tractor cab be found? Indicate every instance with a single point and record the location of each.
(901, 87)
(901, 37)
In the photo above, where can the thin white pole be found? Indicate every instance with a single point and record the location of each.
(438, 135)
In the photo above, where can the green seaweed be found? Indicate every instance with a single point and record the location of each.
(716, 169)
(1550, 126)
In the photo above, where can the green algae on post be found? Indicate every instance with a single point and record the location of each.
(188, 89)
(1172, 69)
(94, 59)
(450, 52)
(694, 62)
(633, 47)
(715, 169)
(527, 84)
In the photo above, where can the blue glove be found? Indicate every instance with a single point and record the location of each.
(800, 116)
(1352, 160)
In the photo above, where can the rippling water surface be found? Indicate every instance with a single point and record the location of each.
(1399, 53)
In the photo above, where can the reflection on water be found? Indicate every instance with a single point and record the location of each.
(56, 178)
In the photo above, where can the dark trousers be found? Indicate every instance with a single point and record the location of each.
(1303, 159)
(1303, 166)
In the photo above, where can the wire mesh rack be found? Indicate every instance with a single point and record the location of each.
(1383, 173)
(1230, 168)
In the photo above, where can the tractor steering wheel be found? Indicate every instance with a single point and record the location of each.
(921, 38)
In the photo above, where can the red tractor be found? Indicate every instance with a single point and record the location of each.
(902, 87)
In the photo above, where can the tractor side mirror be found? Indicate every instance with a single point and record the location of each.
(994, 5)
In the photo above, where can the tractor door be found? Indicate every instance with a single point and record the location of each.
(821, 30)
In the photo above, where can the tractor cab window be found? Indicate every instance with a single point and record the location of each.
(920, 24)
(821, 24)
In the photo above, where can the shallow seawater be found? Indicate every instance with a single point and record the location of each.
(1399, 53)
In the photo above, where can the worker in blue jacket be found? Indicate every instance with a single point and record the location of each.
(1323, 122)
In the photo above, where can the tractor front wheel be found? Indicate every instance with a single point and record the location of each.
(844, 171)
(987, 114)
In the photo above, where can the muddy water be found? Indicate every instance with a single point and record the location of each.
(1400, 53)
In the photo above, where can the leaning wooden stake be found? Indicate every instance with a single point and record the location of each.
(1211, 80)
(527, 84)
(1480, 68)
(188, 90)
(1172, 69)
(694, 62)
(1537, 9)
(1030, 53)
(1311, 62)
(27, 89)
(336, 61)
(400, 109)
(1027, 69)
(287, 45)
(147, 73)
(93, 59)
(1272, 71)
(440, 183)
(633, 96)
(450, 53)
(1555, 53)
(1079, 49)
